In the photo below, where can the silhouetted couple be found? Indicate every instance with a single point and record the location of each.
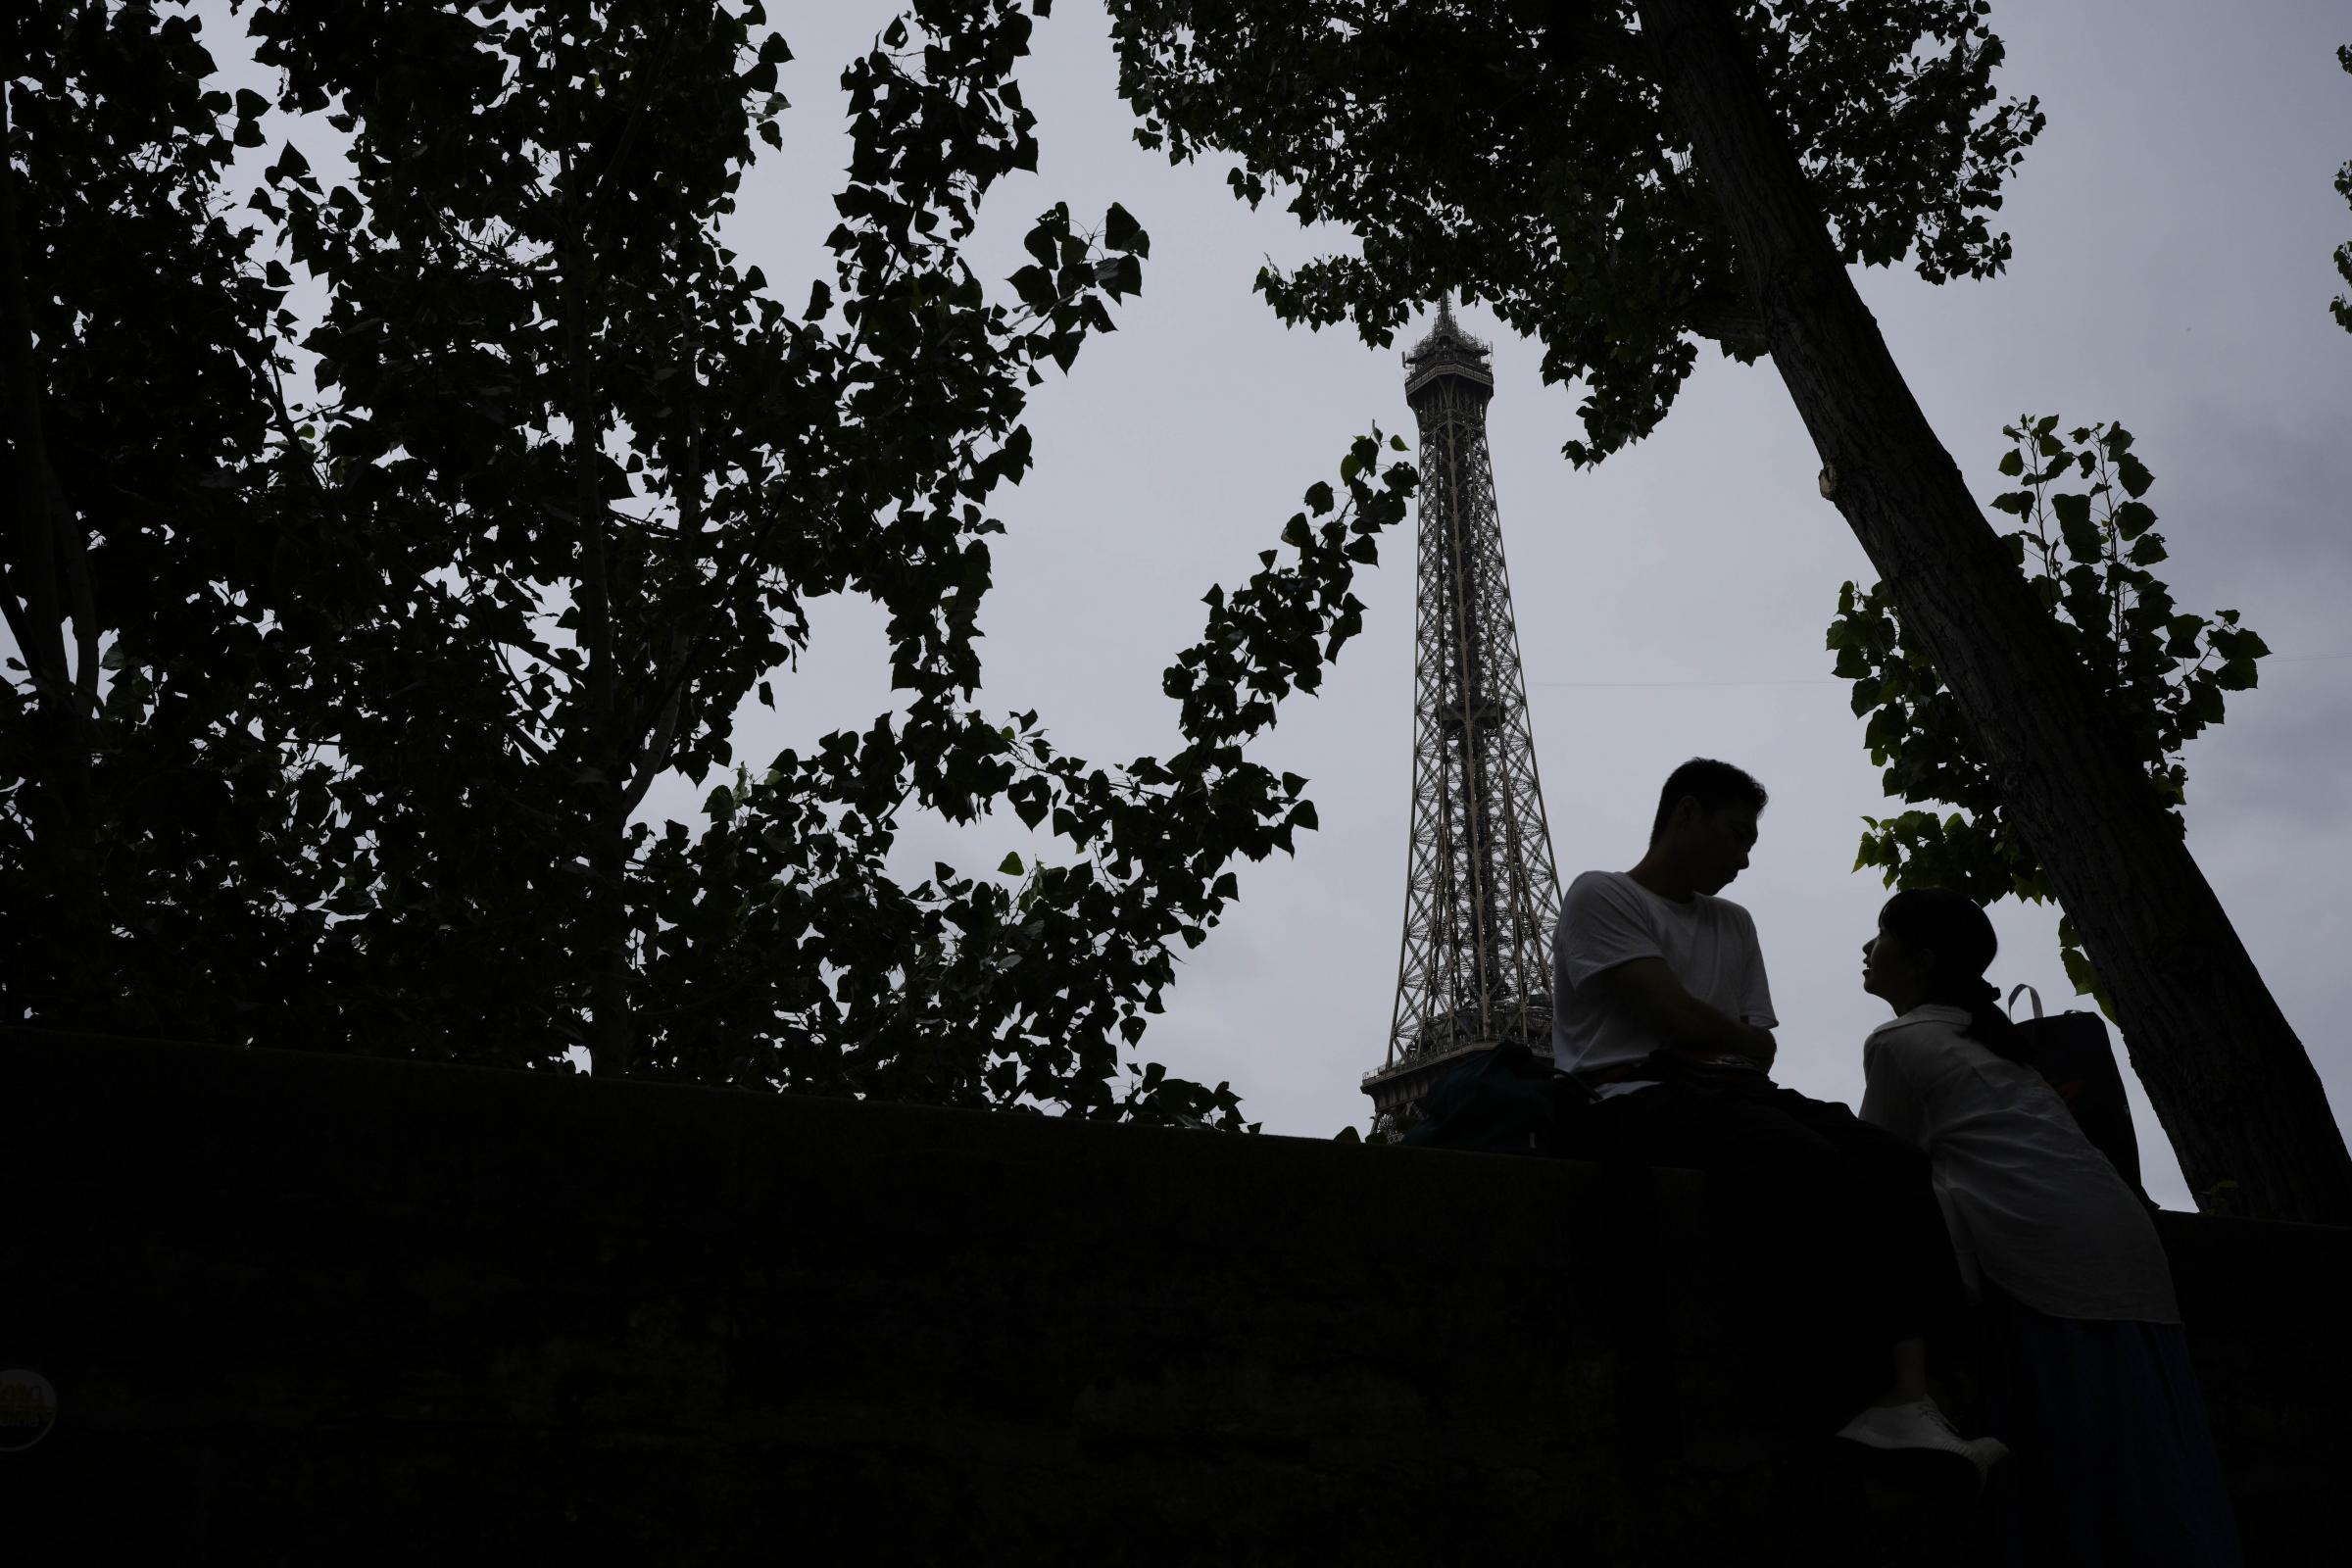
(1965, 1179)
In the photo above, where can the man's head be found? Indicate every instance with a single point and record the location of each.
(1706, 821)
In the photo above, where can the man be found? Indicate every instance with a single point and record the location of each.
(1661, 1007)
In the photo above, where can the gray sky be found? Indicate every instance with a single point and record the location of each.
(2172, 231)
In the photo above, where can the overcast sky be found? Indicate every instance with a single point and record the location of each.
(2172, 231)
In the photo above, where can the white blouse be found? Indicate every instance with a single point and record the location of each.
(2032, 1206)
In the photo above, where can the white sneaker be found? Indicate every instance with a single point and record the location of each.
(1921, 1425)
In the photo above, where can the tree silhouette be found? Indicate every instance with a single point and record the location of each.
(571, 471)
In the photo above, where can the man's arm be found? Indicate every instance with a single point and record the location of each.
(1648, 988)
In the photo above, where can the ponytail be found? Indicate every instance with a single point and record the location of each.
(1988, 1024)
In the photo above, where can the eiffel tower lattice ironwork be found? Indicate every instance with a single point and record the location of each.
(1480, 890)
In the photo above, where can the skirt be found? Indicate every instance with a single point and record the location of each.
(2112, 1461)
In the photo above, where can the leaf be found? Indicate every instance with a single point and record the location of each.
(2078, 971)
(1010, 865)
(2134, 475)
(1120, 232)
(1125, 277)
(2083, 540)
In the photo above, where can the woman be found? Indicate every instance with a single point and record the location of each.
(2086, 1373)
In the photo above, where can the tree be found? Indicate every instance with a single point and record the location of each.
(1621, 178)
(2089, 553)
(570, 475)
(147, 780)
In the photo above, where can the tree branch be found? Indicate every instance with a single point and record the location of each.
(1739, 328)
(649, 753)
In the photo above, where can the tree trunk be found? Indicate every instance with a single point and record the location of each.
(605, 926)
(2224, 1071)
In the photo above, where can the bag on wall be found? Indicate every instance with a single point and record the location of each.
(1504, 1100)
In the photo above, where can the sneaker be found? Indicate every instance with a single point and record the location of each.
(1921, 1426)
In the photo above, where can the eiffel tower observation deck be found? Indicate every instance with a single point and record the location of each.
(1480, 890)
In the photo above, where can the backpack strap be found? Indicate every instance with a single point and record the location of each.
(2016, 990)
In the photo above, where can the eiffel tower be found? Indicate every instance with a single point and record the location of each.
(1481, 891)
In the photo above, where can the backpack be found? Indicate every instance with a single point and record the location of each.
(1502, 1100)
(2074, 1056)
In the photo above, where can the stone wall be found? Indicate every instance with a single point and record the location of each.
(317, 1307)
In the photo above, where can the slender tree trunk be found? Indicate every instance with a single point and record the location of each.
(654, 730)
(2224, 1071)
(604, 931)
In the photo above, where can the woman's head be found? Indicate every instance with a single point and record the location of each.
(1933, 945)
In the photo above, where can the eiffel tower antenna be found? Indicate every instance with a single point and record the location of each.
(1480, 890)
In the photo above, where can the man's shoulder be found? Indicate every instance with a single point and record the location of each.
(1607, 890)
(1717, 906)
(1606, 915)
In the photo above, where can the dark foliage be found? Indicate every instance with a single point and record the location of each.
(1521, 153)
(570, 473)
(2088, 541)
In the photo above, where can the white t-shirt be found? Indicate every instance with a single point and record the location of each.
(2030, 1204)
(1607, 918)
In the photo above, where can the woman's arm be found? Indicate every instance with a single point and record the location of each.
(1893, 1086)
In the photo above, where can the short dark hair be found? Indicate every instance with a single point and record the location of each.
(1712, 784)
